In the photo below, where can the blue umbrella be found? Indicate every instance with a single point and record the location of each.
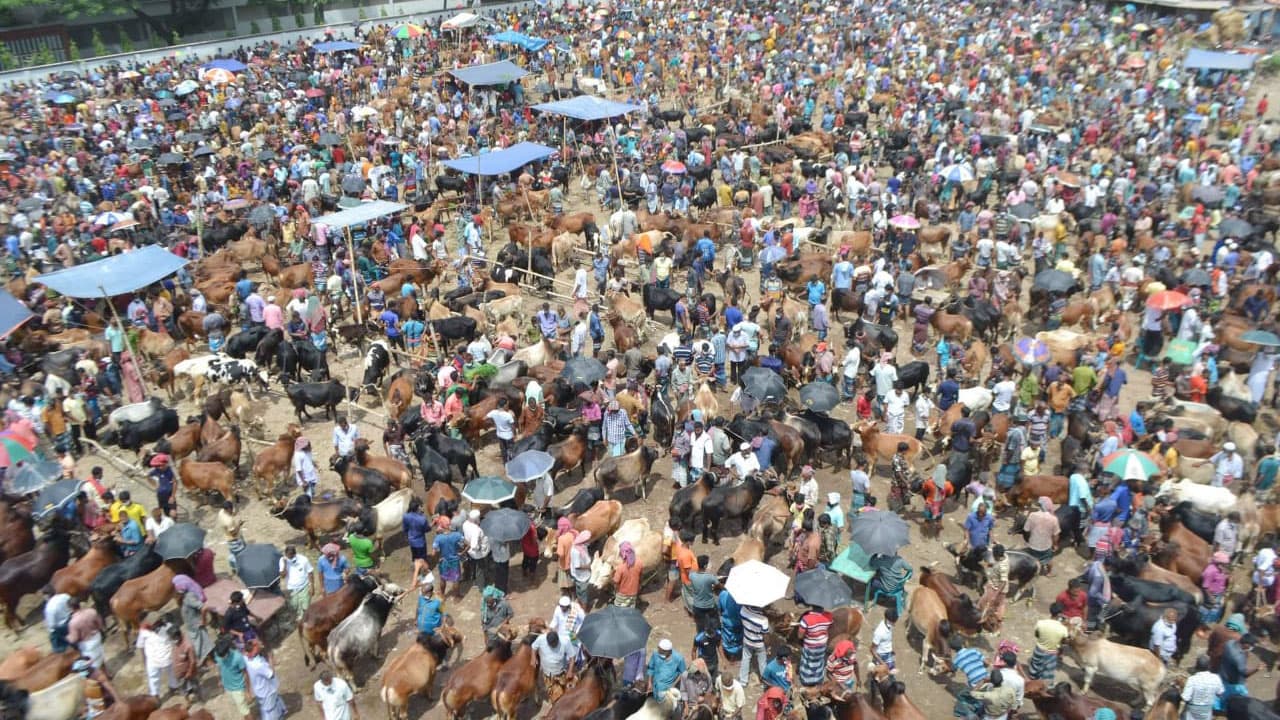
(488, 490)
(64, 99)
(1031, 351)
(335, 46)
(32, 476)
(55, 496)
(529, 465)
(228, 64)
(186, 87)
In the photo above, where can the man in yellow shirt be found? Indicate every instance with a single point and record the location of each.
(124, 505)
(1060, 396)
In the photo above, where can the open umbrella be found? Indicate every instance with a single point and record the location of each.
(1181, 352)
(1197, 277)
(1053, 280)
(906, 222)
(614, 632)
(1168, 300)
(675, 167)
(529, 465)
(764, 384)
(1130, 464)
(880, 532)
(12, 452)
(261, 216)
(1031, 351)
(1071, 180)
(488, 490)
(203, 151)
(228, 64)
(1208, 194)
(504, 524)
(186, 87)
(190, 137)
(330, 139)
(1235, 227)
(819, 396)
(180, 541)
(956, 173)
(170, 159)
(407, 31)
(29, 477)
(266, 155)
(1261, 337)
(55, 496)
(822, 588)
(235, 204)
(756, 584)
(258, 565)
(353, 185)
(1024, 211)
(218, 76)
(583, 370)
(110, 218)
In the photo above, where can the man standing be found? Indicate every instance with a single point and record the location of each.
(665, 669)
(57, 616)
(504, 424)
(299, 581)
(702, 595)
(1164, 636)
(700, 452)
(556, 662)
(477, 567)
(1228, 466)
(263, 682)
(977, 529)
(344, 437)
(334, 697)
(617, 428)
(1043, 531)
(755, 625)
(1050, 633)
(1201, 692)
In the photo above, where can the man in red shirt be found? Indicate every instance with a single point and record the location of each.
(1074, 601)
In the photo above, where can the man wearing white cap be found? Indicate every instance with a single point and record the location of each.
(743, 462)
(665, 669)
(1227, 465)
(833, 510)
(477, 567)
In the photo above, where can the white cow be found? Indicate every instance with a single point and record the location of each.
(358, 635)
(647, 544)
(976, 398)
(1136, 667)
(1215, 500)
(389, 514)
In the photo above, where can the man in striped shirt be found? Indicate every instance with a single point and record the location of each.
(970, 662)
(1201, 691)
(754, 627)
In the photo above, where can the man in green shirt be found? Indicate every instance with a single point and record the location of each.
(231, 670)
(702, 593)
(1083, 377)
(362, 549)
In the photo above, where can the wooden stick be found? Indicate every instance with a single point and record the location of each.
(128, 469)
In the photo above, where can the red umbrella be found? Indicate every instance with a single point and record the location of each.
(1168, 300)
(315, 92)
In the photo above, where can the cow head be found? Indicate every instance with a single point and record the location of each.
(601, 571)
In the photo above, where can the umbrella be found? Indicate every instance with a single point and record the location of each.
(266, 155)
(1197, 277)
(7, 157)
(529, 465)
(756, 584)
(228, 64)
(330, 139)
(28, 204)
(363, 111)
(31, 476)
(906, 222)
(1141, 27)
(180, 541)
(957, 173)
(822, 588)
(1208, 194)
(754, 37)
(675, 167)
(583, 370)
(202, 151)
(165, 101)
(335, 46)
(623, 35)
(1130, 464)
(1071, 180)
(764, 384)
(819, 396)
(314, 93)
(614, 632)
(258, 565)
(1261, 337)
(64, 99)
(262, 216)
(407, 31)
(1053, 280)
(186, 87)
(1031, 351)
(190, 137)
(488, 490)
(24, 436)
(110, 218)
(176, 116)
(1181, 352)
(170, 159)
(1168, 300)
(1024, 211)
(1168, 83)
(54, 496)
(880, 532)
(129, 75)
(504, 525)
(123, 225)
(235, 204)
(218, 76)
(353, 185)
(1235, 227)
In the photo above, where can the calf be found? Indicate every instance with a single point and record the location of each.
(1138, 668)
(961, 610)
(629, 470)
(275, 460)
(357, 636)
(325, 613)
(141, 595)
(315, 518)
(928, 616)
(515, 681)
(208, 477)
(413, 671)
(475, 678)
(327, 395)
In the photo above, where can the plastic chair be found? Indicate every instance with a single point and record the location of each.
(898, 592)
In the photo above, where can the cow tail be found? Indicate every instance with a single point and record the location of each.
(928, 455)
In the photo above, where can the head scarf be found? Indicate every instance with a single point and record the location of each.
(184, 583)
(563, 526)
(583, 538)
(1046, 504)
(330, 549)
(628, 554)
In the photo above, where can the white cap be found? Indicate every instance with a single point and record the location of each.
(1229, 447)
(745, 446)
(473, 515)
(664, 644)
(833, 498)
(564, 601)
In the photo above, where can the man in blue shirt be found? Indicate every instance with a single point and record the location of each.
(977, 528)
(732, 315)
(777, 672)
(817, 290)
(665, 669)
(430, 610)
(842, 275)
(948, 391)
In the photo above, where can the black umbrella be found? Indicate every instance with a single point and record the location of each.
(202, 151)
(819, 396)
(1197, 277)
(142, 144)
(170, 159)
(614, 632)
(1053, 280)
(176, 116)
(258, 565)
(583, 370)
(504, 524)
(266, 155)
(190, 137)
(993, 140)
(764, 384)
(1235, 227)
(880, 533)
(262, 216)
(180, 541)
(822, 588)
(28, 204)
(330, 139)
(1208, 194)
(353, 184)
(1024, 211)
(51, 497)
(167, 102)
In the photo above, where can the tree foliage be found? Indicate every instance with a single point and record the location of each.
(184, 16)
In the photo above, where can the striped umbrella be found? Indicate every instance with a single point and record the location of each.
(1031, 351)
(1130, 464)
(408, 31)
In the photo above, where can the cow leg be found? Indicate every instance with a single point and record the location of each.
(1089, 670)
(924, 653)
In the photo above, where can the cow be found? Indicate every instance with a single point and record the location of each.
(367, 484)
(388, 515)
(108, 582)
(275, 460)
(316, 518)
(629, 470)
(475, 678)
(1030, 489)
(625, 703)
(1131, 622)
(928, 616)
(962, 612)
(1132, 589)
(458, 453)
(221, 370)
(587, 694)
(179, 444)
(18, 662)
(76, 578)
(516, 680)
(27, 573)
(327, 395)
(601, 520)
(1138, 668)
(357, 636)
(141, 595)
(413, 671)
(453, 329)
(647, 544)
(1064, 702)
(134, 707)
(392, 469)
(133, 436)
(730, 502)
(327, 612)
(246, 341)
(1213, 500)
(45, 672)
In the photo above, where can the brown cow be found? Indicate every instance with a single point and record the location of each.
(586, 695)
(134, 707)
(1063, 701)
(602, 519)
(1182, 551)
(208, 477)
(625, 336)
(571, 453)
(883, 446)
(1032, 488)
(315, 518)
(180, 444)
(893, 696)
(516, 679)
(571, 222)
(142, 595)
(413, 671)
(296, 276)
(18, 662)
(325, 613)
(390, 468)
(154, 345)
(75, 579)
(274, 461)
(175, 712)
(961, 610)
(953, 326)
(225, 449)
(928, 615)
(769, 524)
(48, 670)
(399, 395)
(475, 678)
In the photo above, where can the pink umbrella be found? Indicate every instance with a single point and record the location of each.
(675, 167)
(906, 222)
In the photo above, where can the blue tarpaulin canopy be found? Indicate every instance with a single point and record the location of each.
(12, 313)
(360, 214)
(524, 42)
(587, 107)
(498, 73)
(501, 161)
(335, 46)
(114, 275)
(1198, 59)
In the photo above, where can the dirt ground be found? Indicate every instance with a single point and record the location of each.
(537, 597)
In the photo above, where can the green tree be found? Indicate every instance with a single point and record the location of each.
(360, 15)
(184, 16)
(99, 47)
(7, 60)
(43, 56)
(382, 12)
(73, 51)
(126, 42)
(275, 24)
(254, 28)
(299, 20)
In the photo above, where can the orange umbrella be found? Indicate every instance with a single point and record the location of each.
(1168, 300)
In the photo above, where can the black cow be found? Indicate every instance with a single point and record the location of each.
(287, 357)
(1241, 707)
(583, 501)
(133, 435)
(1131, 622)
(730, 502)
(376, 361)
(216, 236)
(312, 359)
(539, 439)
(834, 433)
(268, 350)
(1232, 408)
(704, 199)
(246, 341)
(107, 582)
(434, 467)
(1201, 523)
(445, 183)
(327, 395)
(458, 453)
(914, 374)
(453, 328)
(369, 485)
(657, 298)
(1131, 589)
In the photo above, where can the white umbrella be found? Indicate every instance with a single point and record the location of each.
(756, 584)
(363, 111)
(957, 173)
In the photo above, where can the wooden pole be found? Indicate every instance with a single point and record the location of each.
(355, 275)
(133, 351)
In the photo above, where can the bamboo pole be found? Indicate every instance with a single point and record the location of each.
(133, 350)
(355, 274)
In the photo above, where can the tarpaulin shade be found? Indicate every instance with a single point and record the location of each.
(587, 107)
(520, 40)
(1198, 59)
(498, 73)
(114, 275)
(335, 46)
(461, 20)
(499, 162)
(360, 214)
(12, 313)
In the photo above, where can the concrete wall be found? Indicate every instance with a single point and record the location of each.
(339, 19)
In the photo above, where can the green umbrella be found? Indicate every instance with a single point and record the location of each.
(754, 37)
(1130, 464)
(12, 452)
(1181, 351)
(488, 490)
